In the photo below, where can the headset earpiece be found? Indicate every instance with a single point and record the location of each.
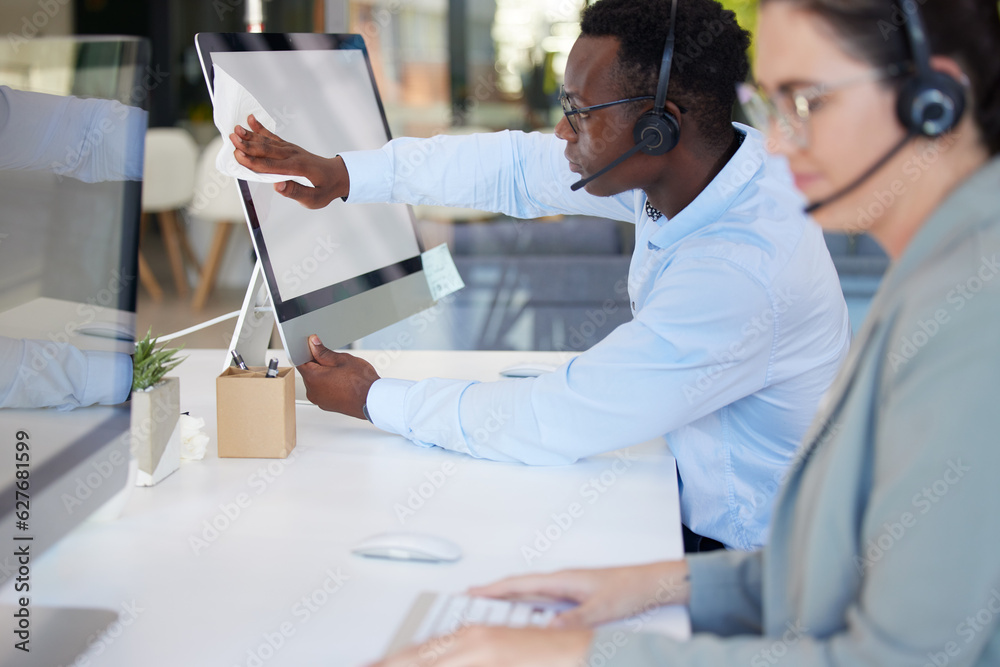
(661, 130)
(658, 127)
(931, 103)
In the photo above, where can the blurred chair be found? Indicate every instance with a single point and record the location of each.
(168, 184)
(216, 199)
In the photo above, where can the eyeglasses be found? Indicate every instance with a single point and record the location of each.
(569, 110)
(791, 110)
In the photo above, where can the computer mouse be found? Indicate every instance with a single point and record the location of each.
(527, 370)
(409, 546)
(114, 330)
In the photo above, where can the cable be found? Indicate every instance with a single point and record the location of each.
(198, 327)
(858, 182)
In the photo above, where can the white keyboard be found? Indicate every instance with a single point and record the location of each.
(434, 615)
(449, 613)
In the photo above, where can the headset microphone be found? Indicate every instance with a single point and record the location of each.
(626, 155)
(812, 208)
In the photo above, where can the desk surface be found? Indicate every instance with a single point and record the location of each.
(247, 561)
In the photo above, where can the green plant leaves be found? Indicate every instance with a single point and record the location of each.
(149, 364)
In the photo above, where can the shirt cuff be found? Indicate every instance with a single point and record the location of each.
(109, 378)
(370, 174)
(725, 592)
(135, 137)
(386, 398)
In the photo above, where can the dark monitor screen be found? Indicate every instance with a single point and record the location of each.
(72, 132)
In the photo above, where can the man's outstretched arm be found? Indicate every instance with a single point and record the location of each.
(645, 379)
(518, 174)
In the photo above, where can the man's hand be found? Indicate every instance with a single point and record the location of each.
(478, 646)
(335, 381)
(602, 595)
(260, 150)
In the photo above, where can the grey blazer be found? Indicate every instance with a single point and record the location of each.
(885, 540)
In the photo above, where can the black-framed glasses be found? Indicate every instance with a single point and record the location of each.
(569, 110)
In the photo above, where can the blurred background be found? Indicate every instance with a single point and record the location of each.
(442, 66)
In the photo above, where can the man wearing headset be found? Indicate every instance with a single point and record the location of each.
(739, 321)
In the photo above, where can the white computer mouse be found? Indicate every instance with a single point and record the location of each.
(409, 546)
(527, 370)
(112, 330)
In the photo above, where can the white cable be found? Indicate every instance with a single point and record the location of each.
(198, 327)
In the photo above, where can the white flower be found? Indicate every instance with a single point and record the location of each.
(193, 441)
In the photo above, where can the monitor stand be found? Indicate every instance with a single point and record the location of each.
(252, 336)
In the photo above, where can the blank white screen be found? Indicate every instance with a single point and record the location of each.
(324, 101)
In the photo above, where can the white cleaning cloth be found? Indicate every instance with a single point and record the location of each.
(233, 103)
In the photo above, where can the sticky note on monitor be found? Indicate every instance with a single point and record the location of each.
(439, 269)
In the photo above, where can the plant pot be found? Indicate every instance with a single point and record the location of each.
(156, 437)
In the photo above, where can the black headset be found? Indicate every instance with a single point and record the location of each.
(930, 103)
(658, 129)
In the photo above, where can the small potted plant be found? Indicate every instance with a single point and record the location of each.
(156, 442)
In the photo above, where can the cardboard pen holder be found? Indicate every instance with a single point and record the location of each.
(256, 414)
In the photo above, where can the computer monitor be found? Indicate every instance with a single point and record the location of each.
(72, 130)
(346, 270)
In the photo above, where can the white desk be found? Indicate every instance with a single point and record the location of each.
(267, 570)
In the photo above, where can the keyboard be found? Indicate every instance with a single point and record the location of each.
(437, 614)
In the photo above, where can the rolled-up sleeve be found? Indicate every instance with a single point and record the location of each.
(726, 592)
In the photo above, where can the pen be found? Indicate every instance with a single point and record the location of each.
(239, 360)
(272, 368)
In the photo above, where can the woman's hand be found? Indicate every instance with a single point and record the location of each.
(260, 150)
(601, 595)
(480, 646)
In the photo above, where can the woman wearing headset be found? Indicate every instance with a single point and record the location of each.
(885, 540)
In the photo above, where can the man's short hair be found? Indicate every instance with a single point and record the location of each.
(710, 56)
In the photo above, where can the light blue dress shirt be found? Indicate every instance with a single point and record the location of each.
(739, 327)
(91, 140)
(44, 374)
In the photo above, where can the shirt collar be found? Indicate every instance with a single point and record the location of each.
(720, 194)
